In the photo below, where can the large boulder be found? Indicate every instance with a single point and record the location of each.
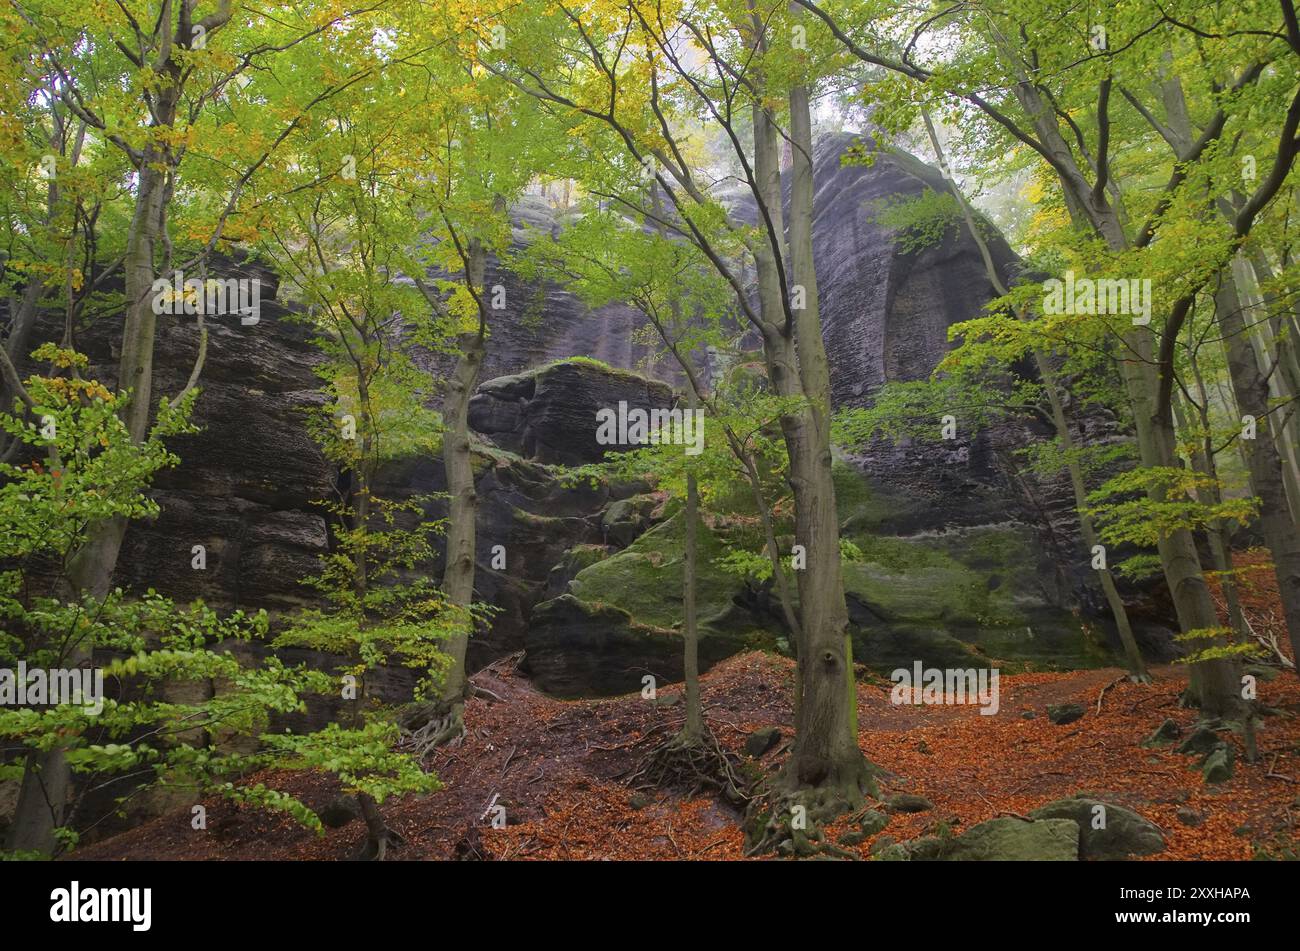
(620, 618)
(1106, 831)
(957, 596)
(549, 414)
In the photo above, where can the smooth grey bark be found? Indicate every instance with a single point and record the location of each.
(825, 753)
(1278, 333)
(690, 625)
(1219, 535)
(459, 568)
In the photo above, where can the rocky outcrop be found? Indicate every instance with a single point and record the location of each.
(542, 322)
(247, 482)
(620, 618)
(1006, 839)
(886, 314)
(549, 414)
(965, 561)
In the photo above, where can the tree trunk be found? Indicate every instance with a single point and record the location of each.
(1250, 387)
(690, 628)
(1220, 533)
(1136, 665)
(1215, 682)
(378, 836)
(42, 802)
(458, 573)
(825, 753)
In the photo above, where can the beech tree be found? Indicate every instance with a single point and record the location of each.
(630, 54)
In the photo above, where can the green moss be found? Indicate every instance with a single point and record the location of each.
(592, 362)
(542, 523)
(969, 592)
(584, 556)
(646, 578)
(900, 645)
(898, 555)
(860, 509)
(942, 590)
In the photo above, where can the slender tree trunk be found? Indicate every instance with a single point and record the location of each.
(825, 753)
(1136, 665)
(752, 474)
(42, 801)
(21, 324)
(774, 558)
(690, 627)
(1215, 683)
(458, 573)
(378, 835)
(1219, 534)
(1250, 387)
(1276, 334)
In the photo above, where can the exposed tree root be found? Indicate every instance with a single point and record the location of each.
(375, 848)
(379, 838)
(788, 818)
(433, 725)
(1130, 678)
(693, 764)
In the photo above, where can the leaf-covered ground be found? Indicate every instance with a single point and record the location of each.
(554, 766)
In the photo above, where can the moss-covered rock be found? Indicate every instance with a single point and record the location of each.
(1217, 766)
(1164, 734)
(1200, 741)
(1106, 831)
(1065, 713)
(762, 740)
(969, 597)
(1006, 839)
(908, 802)
(963, 597)
(620, 619)
(646, 579)
(625, 520)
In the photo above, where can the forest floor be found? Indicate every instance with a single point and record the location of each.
(555, 767)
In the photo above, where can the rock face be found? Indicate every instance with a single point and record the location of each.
(619, 619)
(549, 414)
(247, 481)
(543, 323)
(885, 317)
(885, 314)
